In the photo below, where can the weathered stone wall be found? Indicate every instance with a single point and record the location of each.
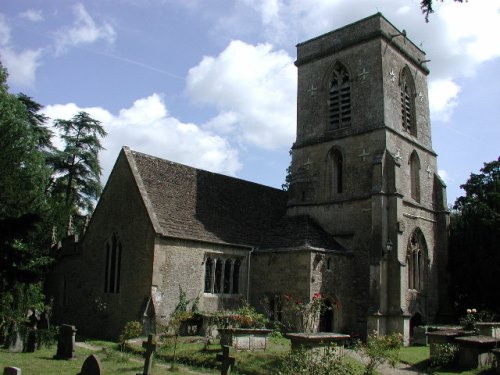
(78, 285)
(181, 263)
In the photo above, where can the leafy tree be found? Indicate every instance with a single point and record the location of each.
(38, 121)
(77, 170)
(427, 7)
(474, 256)
(23, 204)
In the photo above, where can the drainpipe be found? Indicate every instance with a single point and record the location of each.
(248, 273)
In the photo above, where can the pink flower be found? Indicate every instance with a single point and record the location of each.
(469, 311)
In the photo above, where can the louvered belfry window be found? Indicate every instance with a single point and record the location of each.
(407, 102)
(340, 98)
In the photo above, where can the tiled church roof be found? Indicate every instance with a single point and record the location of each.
(298, 232)
(195, 204)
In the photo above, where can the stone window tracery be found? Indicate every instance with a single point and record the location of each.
(416, 261)
(222, 275)
(340, 97)
(408, 102)
(113, 265)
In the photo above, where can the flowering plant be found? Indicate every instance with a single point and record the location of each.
(469, 320)
(308, 312)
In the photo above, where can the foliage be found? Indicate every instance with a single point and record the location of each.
(131, 330)
(380, 349)
(427, 7)
(77, 171)
(331, 361)
(244, 317)
(445, 355)
(308, 312)
(288, 178)
(474, 238)
(469, 320)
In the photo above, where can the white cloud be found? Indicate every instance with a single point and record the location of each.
(254, 88)
(147, 127)
(21, 65)
(444, 176)
(83, 31)
(443, 97)
(32, 15)
(458, 38)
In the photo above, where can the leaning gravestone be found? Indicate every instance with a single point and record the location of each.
(11, 371)
(91, 366)
(66, 342)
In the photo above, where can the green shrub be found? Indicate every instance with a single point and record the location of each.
(380, 349)
(445, 355)
(331, 361)
(130, 330)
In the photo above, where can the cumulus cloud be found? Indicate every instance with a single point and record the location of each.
(443, 96)
(32, 15)
(147, 127)
(83, 31)
(254, 89)
(22, 65)
(458, 38)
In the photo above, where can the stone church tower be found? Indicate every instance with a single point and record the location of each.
(364, 168)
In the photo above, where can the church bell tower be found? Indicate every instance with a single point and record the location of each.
(364, 168)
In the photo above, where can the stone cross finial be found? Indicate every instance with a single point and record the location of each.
(308, 164)
(150, 347)
(429, 171)
(393, 76)
(363, 74)
(421, 97)
(398, 155)
(226, 359)
(313, 90)
(364, 154)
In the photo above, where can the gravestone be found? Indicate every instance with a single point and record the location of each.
(11, 371)
(91, 366)
(226, 359)
(150, 347)
(66, 342)
(31, 340)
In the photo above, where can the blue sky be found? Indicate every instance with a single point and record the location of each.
(211, 83)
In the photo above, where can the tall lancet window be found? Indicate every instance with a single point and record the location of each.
(113, 265)
(340, 97)
(416, 260)
(408, 102)
(337, 171)
(415, 176)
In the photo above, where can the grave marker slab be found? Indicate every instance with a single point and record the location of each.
(226, 359)
(91, 366)
(66, 342)
(11, 371)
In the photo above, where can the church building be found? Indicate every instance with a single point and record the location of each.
(364, 222)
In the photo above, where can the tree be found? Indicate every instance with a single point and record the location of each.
(427, 7)
(474, 256)
(23, 205)
(77, 170)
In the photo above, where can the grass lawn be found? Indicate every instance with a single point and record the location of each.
(418, 356)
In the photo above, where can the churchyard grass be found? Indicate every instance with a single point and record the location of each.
(418, 356)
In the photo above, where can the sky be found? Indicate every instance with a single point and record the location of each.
(212, 84)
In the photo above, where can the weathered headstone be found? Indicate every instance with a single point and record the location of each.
(31, 340)
(11, 371)
(150, 347)
(66, 342)
(91, 366)
(226, 359)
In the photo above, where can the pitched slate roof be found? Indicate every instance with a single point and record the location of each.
(298, 232)
(190, 203)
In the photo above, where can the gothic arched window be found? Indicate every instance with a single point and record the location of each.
(415, 176)
(209, 265)
(222, 275)
(416, 260)
(408, 101)
(113, 265)
(340, 97)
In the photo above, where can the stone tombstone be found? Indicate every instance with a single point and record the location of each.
(227, 361)
(66, 342)
(91, 366)
(31, 340)
(11, 371)
(150, 347)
